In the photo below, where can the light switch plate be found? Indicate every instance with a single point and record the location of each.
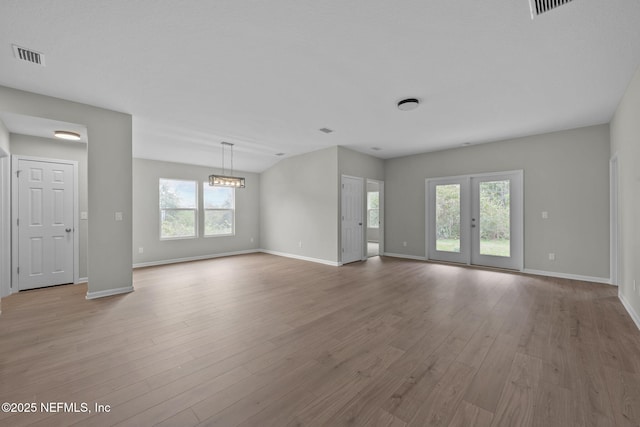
(84, 215)
(118, 216)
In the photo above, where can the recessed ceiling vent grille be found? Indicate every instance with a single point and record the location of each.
(28, 55)
(538, 7)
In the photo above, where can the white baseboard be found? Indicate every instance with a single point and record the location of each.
(82, 280)
(603, 280)
(418, 258)
(630, 310)
(194, 258)
(109, 292)
(303, 258)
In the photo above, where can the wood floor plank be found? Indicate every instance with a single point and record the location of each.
(264, 340)
(469, 415)
(624, 392)
(517, 403)
(554, 406)
(487, 385)
(440, 406)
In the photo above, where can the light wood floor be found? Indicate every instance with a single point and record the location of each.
(260, 340)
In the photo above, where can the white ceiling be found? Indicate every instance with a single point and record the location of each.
(267, 75)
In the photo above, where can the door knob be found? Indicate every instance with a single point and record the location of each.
(359, 223)
(68, 230)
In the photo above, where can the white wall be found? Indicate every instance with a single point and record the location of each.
(64, 150)
(299, 205)
(109, 181)
(565, 174)
(625, 144)
(146, 217)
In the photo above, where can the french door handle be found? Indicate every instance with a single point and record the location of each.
(68, 230)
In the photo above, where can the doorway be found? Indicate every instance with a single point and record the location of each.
(44, 203)
(614, 215)
(374, 218)
(476, 219)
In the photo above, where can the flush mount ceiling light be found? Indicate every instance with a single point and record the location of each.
(226, 180)
(68, 135)
(408, 104)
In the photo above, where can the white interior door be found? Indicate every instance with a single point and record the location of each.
(352, 196)
(45, 223)
(496, 220)
(476, 219)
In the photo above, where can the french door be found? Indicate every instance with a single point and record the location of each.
(476, 219)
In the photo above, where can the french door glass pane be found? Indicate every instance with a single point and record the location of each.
(495, 217)
(448, 218)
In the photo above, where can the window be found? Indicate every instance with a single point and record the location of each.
(178, 209)
(373, 209)
(219, 210)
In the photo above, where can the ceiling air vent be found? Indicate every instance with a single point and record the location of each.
(326, 130)
(28, 55)
(538, 7)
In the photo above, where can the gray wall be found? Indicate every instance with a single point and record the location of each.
(359, 164)
(625, 143)
(565, 173)
(4, 140)
(299, 201)
(63, 150)
(5, 231)
(146, 216)
(109, 180)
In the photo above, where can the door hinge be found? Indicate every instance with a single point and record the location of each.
(342, 249)
(18, 173)
(18, 222)
(18, 270)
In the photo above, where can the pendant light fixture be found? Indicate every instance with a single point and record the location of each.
(226, 180)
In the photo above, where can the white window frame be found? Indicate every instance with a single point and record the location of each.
(195, 210)
(232, 209)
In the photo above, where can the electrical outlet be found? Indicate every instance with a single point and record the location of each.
(252, 240)
(545, 215)
(552, 256)
(300, 244)
(634, 284)
(404, 244)
(140, 250)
